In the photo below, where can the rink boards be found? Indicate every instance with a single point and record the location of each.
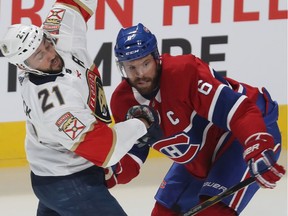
(12, 137)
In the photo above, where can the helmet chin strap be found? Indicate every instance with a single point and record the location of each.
(27, 69)
(40, 73)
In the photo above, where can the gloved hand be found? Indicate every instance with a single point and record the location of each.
(154, 132)
(111, 176)
(127, 168)
(260, 157)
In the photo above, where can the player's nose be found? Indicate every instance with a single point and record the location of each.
(140, 72)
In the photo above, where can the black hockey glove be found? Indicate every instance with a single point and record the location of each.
(154, 132)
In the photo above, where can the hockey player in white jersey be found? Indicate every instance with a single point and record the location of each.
(68, 141)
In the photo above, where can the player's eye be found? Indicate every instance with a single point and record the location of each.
(131, 68)
(146, 63)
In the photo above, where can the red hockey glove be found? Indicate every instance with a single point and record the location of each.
(111, 176)
(127, 168)
(260, 157)
(154, 132)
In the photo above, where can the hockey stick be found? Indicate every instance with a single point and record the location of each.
(215, 199)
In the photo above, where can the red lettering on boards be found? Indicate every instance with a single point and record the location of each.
(125, 15)
(18, 12)
(239, 14)
(124, 12)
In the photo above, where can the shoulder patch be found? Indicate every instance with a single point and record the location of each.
(53, 21)
(97, 99)
(70, 125)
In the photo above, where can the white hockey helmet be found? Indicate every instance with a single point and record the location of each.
(20, 42)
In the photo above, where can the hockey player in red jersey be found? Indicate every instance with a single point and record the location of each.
(69, 141)
(216, 130)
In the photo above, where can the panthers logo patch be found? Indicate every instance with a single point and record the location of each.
(97, 99)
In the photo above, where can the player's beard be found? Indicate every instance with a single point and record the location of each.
(151, 83)
(56, 65)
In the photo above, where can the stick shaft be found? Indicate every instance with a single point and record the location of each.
(215, 199)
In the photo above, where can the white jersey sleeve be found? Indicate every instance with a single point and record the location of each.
(68, 24)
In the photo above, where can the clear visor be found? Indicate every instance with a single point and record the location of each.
(121, 69)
